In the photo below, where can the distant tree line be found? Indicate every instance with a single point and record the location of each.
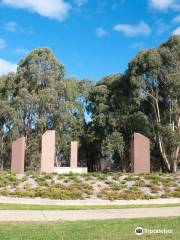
(144, 99)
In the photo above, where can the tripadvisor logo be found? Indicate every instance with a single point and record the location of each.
(139, 231)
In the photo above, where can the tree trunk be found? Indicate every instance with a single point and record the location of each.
(174, 170)
(163, 153)
(156, 109)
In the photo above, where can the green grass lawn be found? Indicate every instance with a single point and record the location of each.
(90, 230)
(4, 206)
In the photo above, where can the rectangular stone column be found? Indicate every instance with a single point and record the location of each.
(140, 154)
(48, 152)
(74, 154)
(18, 155)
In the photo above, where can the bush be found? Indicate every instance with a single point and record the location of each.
(140, 183)
(76, 186)
(116, 186)
(58, 192)
(42, 181)
(8, 179)
(124, 195)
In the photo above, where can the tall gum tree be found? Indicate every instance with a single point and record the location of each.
(39, 97)
(155, 76)
(115, 117)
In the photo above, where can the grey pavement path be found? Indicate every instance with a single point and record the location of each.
(75, 215)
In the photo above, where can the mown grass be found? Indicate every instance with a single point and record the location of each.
(5, 206)
(90, 230)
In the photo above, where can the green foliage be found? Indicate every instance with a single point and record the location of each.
(155, 76)
(140, 183)
(8, 179)
(113, 143)
(112, 186)
(145, 99)
(38, 98)
(119, 195)
(115, 117)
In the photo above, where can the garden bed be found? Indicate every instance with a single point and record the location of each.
(110, 186)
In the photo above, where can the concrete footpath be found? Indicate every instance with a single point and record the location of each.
(86, 202)
(75, 215)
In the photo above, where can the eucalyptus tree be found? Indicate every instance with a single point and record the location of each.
(155, 76)
(41, 98)
(115, 117)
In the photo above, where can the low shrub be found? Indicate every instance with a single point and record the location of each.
(140, 183)
(167, 182)
(115, 177)
(100, 176)
(4, 192)
(47, 175)
(32, 174)
(122, 195)
(42, 181)
(24, 179)
(8, 179)
(174, 194)
(153, 188)
(116, 186)
(132, 177)
(153, 177)
(82, 186)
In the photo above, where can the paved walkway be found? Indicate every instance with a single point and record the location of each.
(86, 202)
(75, 215)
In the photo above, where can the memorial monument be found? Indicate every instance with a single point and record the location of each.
(140, 154)
(74, 154)
(48, 152)
(18, 155)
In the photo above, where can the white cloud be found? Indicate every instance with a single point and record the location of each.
(11, 26)
(7, 67)
(176, 19)
(177, 31)
(54, 9)
(2, 43)
(132, 30)
(80, 3)
(101, 32)
(164, 4)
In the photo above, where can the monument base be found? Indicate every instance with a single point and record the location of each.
(62, 170)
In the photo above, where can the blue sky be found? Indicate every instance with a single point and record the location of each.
(93, 38)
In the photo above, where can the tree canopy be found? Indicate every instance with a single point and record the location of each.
(144, 99)
(155, 74)
(39, 97)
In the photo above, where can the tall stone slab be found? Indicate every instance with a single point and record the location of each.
(74, 154)
(18, 155)
(140, 154)
(48, 152)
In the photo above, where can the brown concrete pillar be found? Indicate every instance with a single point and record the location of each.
(48, 152)
(74, 154)
(18, 155)
(140, 154)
